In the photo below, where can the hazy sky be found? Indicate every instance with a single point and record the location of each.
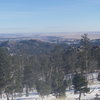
(49, 15)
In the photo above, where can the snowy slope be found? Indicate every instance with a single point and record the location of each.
(94, 90)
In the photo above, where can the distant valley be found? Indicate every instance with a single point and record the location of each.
(49, 37)
(59, 38)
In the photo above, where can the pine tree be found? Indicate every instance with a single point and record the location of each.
(5, 71)
(43, 88)
(58, 83)
(80, 84)
(28, 78)
(85, 53)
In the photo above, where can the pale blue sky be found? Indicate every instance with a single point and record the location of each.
(49, 16)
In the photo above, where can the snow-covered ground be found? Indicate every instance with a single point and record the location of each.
(94, 90)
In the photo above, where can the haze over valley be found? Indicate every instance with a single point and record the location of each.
(49, 49)
(48, 36)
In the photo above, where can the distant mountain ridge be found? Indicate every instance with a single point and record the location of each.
(48, 36)
(38, 47)
(32, 44)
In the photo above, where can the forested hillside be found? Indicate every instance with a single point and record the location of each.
(36, 65)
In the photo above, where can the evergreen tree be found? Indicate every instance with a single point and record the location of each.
(80, 84)
(5, 71)
(84, 56)
(43, 88)
(28, 78)
(58, 83)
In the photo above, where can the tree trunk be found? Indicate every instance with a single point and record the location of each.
(27, 94)
(12, 96)
(1, 95)
(42, 97)
(80, 96)
(7, 96)
(92, 78)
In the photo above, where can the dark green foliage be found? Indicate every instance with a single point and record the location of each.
(96, 55)
(28, 75)
(17, 70)
(28, 78)
(5, 70)
(80, 83)
(57, 82)
(85, 53)
(43, 88)
(58, 73)
(44, 66)
(18, 84)
(86, 58)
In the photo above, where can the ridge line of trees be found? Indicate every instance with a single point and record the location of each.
(47, 73)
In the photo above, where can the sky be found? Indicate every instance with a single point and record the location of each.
(17, 16)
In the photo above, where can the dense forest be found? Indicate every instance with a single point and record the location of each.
(44, 67)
